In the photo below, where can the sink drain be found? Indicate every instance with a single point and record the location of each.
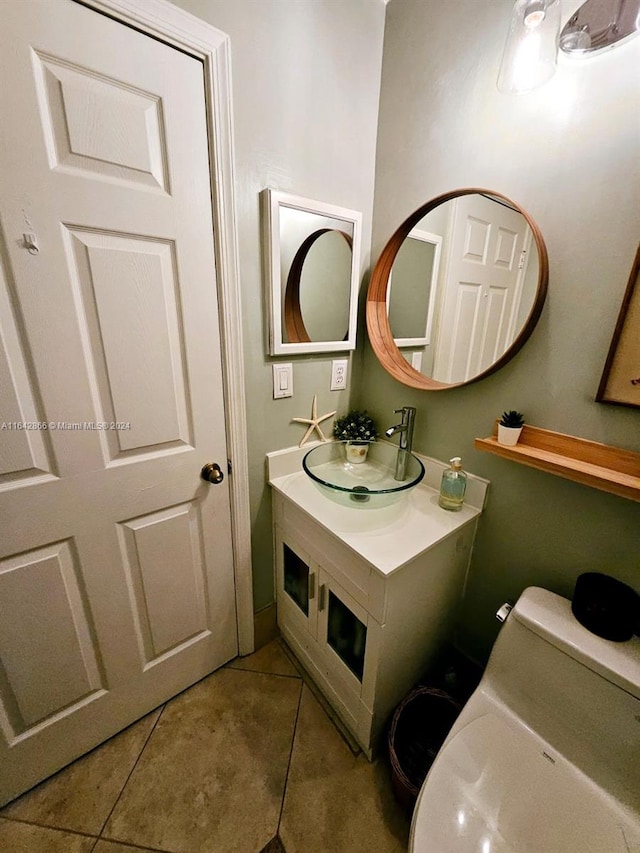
(360, 494)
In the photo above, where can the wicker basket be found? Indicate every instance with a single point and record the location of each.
(419, 727)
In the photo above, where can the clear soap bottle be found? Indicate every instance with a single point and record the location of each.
(453, 486)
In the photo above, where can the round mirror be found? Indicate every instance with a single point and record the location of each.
(457, 290)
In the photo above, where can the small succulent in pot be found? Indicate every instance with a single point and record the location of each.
(509, 427)
(512, 419)
(355, 426)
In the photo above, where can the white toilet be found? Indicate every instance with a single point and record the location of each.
(545, 756)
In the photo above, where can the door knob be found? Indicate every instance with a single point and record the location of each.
(212, 473)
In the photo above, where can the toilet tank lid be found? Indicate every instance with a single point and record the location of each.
(549, 616)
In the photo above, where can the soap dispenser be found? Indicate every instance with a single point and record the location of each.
(453, 486)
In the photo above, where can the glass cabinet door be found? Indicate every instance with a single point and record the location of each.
(296, 575)
(296, 578)
(346, 634)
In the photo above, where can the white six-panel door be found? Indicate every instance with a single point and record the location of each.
(116, 569)
(483, 281)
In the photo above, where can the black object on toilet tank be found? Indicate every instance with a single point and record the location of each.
(606, 606)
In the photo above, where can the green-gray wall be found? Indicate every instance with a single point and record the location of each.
(569, 153)
(306, 82)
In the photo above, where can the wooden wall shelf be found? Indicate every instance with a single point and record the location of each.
(610, 469)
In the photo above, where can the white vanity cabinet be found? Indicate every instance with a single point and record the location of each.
(366, 598)
(328, 628)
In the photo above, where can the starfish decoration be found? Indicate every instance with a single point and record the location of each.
(314, 422)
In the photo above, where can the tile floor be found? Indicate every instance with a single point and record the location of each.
(245, 761)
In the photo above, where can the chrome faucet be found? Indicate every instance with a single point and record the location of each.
(405, 428)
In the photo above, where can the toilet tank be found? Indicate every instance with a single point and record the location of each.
(579, 692)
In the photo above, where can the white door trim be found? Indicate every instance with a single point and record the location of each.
(180, 29)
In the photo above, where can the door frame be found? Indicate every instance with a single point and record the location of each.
(177, 28)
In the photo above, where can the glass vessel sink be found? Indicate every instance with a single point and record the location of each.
(370, 483)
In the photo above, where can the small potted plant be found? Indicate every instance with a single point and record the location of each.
(358, 430)
(509, 427)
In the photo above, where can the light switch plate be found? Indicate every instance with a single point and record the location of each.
(339, 373)
(282, 380)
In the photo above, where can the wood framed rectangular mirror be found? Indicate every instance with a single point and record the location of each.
(311, 264)
(620, 383)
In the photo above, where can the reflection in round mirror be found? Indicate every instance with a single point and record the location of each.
(457, 290)
(316, 303)
(315, 271)
(412, 288)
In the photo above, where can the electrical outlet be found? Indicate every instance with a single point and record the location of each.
(339, 373)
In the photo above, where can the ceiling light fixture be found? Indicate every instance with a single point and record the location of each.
(529, 58)
(600, 25)
(531, 49)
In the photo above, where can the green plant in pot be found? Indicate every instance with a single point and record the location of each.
(510, 427)
(357, 429)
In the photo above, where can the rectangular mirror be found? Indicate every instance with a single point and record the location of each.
(312, 263)
(412, 289)
(620, 383)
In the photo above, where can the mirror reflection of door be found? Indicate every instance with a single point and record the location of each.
(323, 290)
(488, 246)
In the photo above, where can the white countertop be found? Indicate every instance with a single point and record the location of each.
(387, 537)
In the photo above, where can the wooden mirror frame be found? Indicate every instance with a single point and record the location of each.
(624, 350)
(379, 329)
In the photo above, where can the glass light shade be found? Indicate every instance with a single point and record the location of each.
(530, 52)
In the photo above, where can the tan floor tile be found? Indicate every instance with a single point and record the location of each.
(23, 838)
(115, 847)
(81, 796)
(270, 658)
(337, 801)
(212, 775)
